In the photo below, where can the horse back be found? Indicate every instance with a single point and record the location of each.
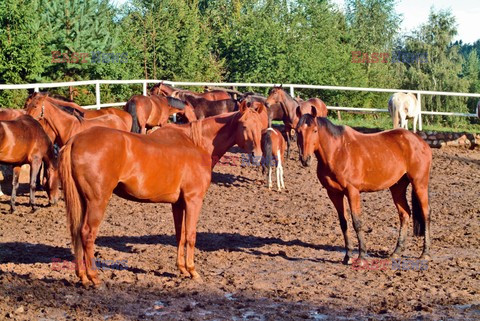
(145, 168)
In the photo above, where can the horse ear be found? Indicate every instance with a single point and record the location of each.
(281, 85)
(261, 109)
(298, 111)
(314, 111)
(249, 104)
(242, 107)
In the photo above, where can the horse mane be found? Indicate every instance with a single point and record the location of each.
(196, 130)
(334, 130)
(176, 103)
(70, 110)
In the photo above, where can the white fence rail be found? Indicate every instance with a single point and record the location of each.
(292, 88)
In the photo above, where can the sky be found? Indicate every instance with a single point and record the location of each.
(415, 13)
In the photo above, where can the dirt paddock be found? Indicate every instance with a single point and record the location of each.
(263, 255)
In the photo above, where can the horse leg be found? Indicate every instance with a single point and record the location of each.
(15, 182)
(280, 169)
(288, 144)
(399, 191)
(353, 196)
(421, 212)
(34, 170)
(269, 176)
(337, 200)
(178, 209)
(94, 214)
(193, 205)
(415, 123)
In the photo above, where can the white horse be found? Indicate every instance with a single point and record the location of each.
(403, 106)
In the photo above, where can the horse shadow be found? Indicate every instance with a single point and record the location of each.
(210, 242)
(225, 179)
(28, 253)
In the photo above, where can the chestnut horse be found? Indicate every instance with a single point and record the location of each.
(350, 162)
(206, 108)
(154, 110)
(55, 118)
(166, 90)
(8, 114)
(23, 141)
(86, 113)
(175, 167)
(306, 107)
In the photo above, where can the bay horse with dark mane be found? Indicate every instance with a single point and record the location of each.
(57, 119)
(154, 110)
(350, 162)
(206, 108)
(171, 165)
(23, 141)
(86, 113)
(166, 90)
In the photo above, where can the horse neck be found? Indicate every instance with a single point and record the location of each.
(328, 146)
(219, 136)
(60, 123)
(289, 106)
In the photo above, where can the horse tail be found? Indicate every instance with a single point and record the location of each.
(394, 105)
(131, 108)
(73, 202)
(267, 149)
(418, 217)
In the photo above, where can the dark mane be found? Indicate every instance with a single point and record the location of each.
(70, 110)
(309, 120)
(176, 103)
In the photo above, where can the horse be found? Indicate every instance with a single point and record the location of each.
(154, 110)
(403, 106)
(273, 144)
(23, 141)
(86, 113)
(8, 114)
(166, 90)
(350, 162)
(175, 167)
(306, 107)
(206, 108)
(57, 119)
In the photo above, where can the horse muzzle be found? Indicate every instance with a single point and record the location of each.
(306, 161)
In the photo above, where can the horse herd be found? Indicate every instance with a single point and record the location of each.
(112, 151)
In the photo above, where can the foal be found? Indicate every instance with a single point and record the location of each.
(273, 144)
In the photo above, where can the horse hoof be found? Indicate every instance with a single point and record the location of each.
(347, 260)
(196, 277)
(100, 286)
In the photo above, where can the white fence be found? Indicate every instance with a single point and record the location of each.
(292, 87)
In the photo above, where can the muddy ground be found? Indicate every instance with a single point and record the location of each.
(263, 255)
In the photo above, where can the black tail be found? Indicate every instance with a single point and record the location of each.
(418, 218)
(132, 110)
(267, 150)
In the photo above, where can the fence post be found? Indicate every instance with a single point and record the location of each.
(145, 88)
(292, 92)
(97, 94)
(419, 98)
(36, 89)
